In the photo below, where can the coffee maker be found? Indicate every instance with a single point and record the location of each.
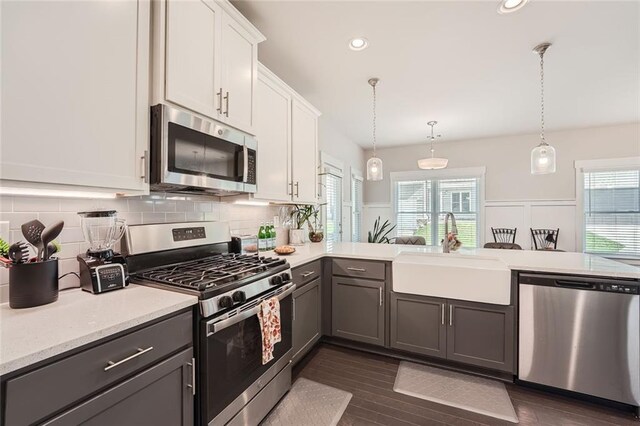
(101, 269)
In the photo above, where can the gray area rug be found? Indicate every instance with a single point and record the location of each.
(311, 404)
(471, 393)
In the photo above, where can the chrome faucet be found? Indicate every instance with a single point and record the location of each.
(454, 230)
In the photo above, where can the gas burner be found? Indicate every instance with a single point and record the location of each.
(213, 271)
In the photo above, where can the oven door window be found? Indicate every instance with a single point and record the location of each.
(196, 153)
(232, 358)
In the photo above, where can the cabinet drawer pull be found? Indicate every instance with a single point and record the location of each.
(307, 274)
(443, 314)
(451, 315)
(139, 352)
(226, 100)
(192, 385)
(380, 297)
(356, 269)
(219, 95)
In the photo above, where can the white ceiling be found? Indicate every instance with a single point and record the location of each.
(458, 62)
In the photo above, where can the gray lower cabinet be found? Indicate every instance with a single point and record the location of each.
(306, 317)
(145, 376)
(476, 334)
(161, 395)
(358, 309)
(418, 324)
(481, 335)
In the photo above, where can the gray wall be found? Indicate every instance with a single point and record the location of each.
(507, 161)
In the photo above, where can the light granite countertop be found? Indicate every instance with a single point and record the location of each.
(517, 260)
(30, 335)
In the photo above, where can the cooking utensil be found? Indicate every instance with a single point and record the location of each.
(52, 248)
(19, 252)
(49, 234)
(32, 231)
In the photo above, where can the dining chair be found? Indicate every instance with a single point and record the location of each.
(413, 240)
(545, 239)
(504, 235)
(503, 246)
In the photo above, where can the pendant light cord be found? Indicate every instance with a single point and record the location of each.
(374, 119)
(542, 139)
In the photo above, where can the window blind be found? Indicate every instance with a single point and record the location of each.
(356, 211)
(333, 231)
(421, 206)
(612, 212)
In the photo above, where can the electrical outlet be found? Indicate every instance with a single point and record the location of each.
(276, 221)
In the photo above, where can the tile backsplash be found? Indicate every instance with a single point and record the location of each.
(16, 210)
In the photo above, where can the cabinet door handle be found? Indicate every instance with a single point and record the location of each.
(349, 268)
(380, 296)
(293, 308)
(192, 364)
(140, 351)
(443, 314)
(451, 315)
(219, 95)
(145, 165)
(291, 185)
(226, 102)
(297, 189)
(307, 274)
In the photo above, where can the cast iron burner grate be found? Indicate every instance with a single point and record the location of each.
(211, 271)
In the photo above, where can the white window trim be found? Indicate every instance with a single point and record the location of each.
(356, 175)
(462, 173)
(582, 166)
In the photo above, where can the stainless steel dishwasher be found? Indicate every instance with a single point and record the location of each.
(581, 334)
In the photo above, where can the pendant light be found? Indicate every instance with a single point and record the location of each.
(543, 156)
(433, 162)
(374, 164)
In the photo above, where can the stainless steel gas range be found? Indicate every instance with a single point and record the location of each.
(233, 386)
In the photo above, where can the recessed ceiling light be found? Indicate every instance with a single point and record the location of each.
(508, 6)
(358, 43)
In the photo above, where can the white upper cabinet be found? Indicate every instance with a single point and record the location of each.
(273, 129)
(287, 132)
(239, 62)
(192, 54)
(304, 152)
(75, 99)
(205, 56)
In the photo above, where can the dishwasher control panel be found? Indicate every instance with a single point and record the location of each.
(619, 288)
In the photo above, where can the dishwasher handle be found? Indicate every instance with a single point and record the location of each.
(575, 284)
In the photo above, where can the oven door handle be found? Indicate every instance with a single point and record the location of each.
(214, 327)
(245, 169)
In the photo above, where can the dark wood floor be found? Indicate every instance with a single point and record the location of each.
(370, 379)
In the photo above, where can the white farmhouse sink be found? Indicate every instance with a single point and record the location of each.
(453, 276)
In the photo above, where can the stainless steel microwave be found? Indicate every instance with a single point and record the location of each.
(195, 155)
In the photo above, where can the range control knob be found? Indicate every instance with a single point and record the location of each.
(286, 277)
(277, 280)
(225, 302)
(239, 297)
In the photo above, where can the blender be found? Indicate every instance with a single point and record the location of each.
(101, 269)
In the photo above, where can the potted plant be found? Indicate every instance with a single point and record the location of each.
(380, 232)
(299, 215)
(315, 225)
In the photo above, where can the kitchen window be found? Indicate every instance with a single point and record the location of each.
(610, 209)
(422, 199)
(356, 209)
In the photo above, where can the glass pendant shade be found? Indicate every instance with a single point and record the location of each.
(543, 159)
(432, 163)
(374, 169)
